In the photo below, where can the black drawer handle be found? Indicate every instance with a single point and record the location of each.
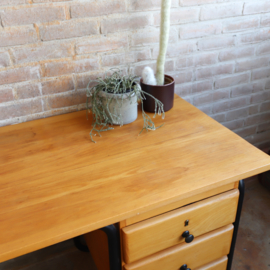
(184, 267)
(188, 237)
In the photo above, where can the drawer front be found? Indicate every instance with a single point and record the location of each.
(164, 231)
(220, 264)
(201, 251)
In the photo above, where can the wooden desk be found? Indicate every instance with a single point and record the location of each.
(56, 184)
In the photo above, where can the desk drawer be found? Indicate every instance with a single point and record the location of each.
(201, 251)
(220, 264)
(158, 233)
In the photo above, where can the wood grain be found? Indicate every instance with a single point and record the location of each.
(203, 250)
(158, 233)
(56, 184)
(180, 203)
(220, 264)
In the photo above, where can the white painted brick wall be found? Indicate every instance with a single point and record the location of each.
(218, 53)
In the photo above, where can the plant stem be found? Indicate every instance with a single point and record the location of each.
(163, 40)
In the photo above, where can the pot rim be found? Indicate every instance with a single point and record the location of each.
(119, 95)
(168, 84)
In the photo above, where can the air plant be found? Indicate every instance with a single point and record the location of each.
(120, 86)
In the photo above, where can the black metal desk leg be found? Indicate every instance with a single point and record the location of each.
(236, 223)
(114, 247)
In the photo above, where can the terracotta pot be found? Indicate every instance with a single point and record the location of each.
(164, 93)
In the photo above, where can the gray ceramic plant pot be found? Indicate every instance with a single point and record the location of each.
(123, 107)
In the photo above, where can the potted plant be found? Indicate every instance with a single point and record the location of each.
(113, 101)
(161, 87)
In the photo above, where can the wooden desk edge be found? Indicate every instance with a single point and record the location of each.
(11, 250)
(120, 218)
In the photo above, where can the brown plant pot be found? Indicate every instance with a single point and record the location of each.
(164, 93)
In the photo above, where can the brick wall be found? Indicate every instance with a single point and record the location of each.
(219, 55)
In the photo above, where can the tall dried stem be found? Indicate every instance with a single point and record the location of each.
(163, 40)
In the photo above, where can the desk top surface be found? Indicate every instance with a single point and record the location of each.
(56, 184)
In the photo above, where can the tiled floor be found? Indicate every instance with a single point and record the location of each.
(252, 247)
(253, 242)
